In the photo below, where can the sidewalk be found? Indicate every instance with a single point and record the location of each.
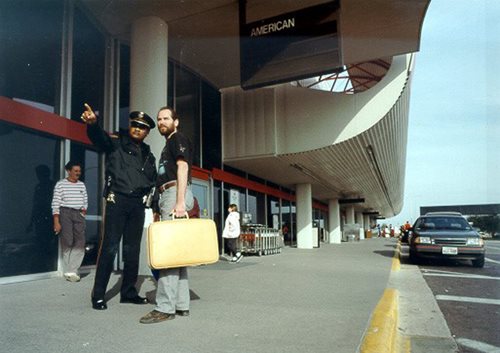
(317, 300)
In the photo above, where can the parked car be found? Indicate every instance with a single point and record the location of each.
(446, 235)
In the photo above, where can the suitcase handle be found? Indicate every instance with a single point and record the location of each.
(174, 217)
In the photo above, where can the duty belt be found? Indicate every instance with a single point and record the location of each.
(166, 186)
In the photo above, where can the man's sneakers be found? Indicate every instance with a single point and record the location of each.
(156, 316)
(237, 258)
(72, 277)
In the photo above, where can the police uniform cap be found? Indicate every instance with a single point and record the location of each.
(142, 118)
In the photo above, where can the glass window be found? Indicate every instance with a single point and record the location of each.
(252, 206)
(124, 94)
(211, 127)
(30, 59)
(218, 215)
(235, 171)
(88, 66)
(90, 176)
(187, 105)
(273, 212)
(261, 209)
(27, 241)
(170, 84)
(236, 195)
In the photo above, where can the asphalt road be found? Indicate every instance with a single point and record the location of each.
(468, 297)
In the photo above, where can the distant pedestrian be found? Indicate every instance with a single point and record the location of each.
(232, 232)
(69, 207)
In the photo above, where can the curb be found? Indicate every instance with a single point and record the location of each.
(382, 335)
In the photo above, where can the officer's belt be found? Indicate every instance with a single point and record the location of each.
(166, 186)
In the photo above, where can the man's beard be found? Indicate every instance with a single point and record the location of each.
(165, 130)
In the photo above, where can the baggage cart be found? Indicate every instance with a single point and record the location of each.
(260, 240)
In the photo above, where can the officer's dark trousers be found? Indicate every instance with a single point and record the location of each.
(126, 217)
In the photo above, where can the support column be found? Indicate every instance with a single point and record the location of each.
(149, 71)
(304, 216)
(148, 89)
(334, 221)
(350, 215)
(366, 221)
(359, 220)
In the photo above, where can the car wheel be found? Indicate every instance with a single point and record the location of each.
(413, 258)
(478, 263)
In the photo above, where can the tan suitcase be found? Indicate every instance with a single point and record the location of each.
(182, 242)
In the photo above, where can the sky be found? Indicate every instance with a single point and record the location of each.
(453, 151)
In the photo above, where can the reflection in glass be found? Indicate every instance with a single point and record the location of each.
(30, 58)
(90, 176)
(187, 105)
(28, 172)
(88, 66)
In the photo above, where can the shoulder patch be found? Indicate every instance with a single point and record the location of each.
(114, 136)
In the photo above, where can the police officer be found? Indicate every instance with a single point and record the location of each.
(130, 176)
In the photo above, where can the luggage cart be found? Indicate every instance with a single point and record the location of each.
(260, 240)
(250, 241)
(272, 241)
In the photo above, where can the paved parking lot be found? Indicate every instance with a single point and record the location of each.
(469, 298)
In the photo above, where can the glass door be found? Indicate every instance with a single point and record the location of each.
(201, 192)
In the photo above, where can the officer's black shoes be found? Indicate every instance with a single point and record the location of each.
(134, 300)
(156, 316)
(182, 312)
(99, 304)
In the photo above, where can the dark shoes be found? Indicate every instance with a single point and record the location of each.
(182, 312)
(155, 316)
(99, 304)
(134, 300)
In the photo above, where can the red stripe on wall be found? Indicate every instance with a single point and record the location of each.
(320, 206)
(200, 173)
(24, 115)
(229, 178)
(226, 177)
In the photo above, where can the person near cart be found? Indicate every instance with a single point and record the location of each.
(232, 232)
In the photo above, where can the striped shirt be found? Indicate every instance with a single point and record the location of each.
(68, 194)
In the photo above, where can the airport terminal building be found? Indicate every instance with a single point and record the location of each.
(298, 110)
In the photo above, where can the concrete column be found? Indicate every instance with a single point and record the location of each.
(148, 89)
(304, 216)
(359, 220)
(334, 221)
(350, 215)
(149, 71)
(366, 221)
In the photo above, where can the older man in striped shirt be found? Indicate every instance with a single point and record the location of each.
(69, 206)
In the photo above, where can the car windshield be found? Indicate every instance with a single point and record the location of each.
(442, 223)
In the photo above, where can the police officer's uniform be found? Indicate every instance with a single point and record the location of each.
(130, 176)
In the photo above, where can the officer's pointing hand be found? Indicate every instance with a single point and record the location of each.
(88, 115)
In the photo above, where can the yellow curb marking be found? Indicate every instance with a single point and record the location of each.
(381, 334)
(396, 263)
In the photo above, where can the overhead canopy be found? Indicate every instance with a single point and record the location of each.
(205, 35)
